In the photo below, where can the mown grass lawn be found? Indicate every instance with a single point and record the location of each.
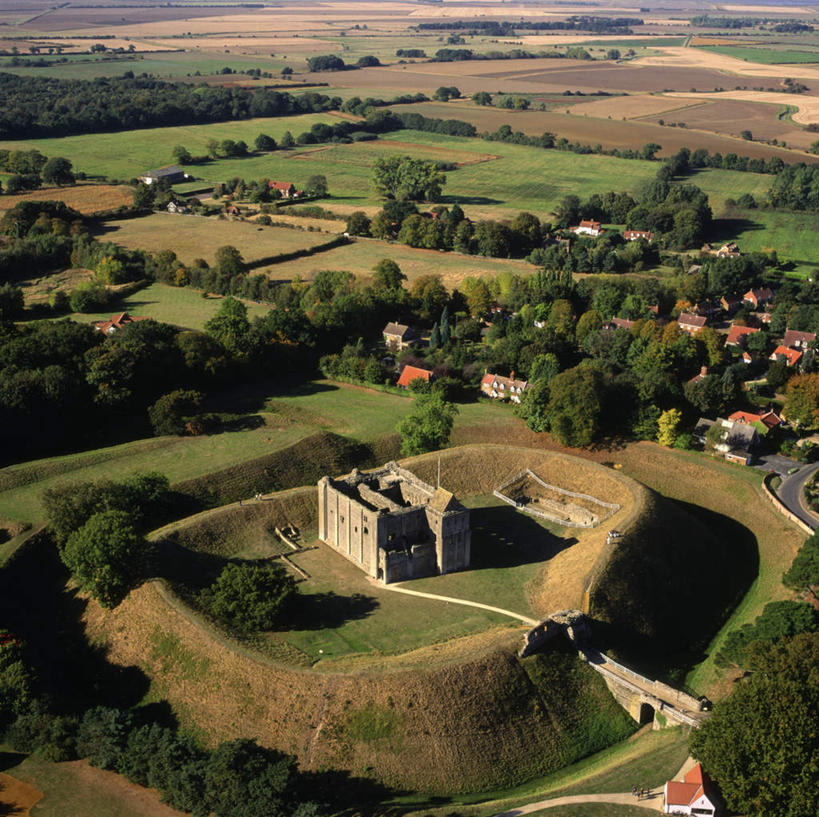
(766, 56)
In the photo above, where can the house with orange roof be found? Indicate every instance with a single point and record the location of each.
(588, 228)
(117, 322)
(287, 190)
(691, 324)
(792, 356)
(758, 297)
(689, 796)
(768, 419)
(411, 373)
(737, 335)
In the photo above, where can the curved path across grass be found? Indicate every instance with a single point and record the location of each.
(399, 589)
(653, 802)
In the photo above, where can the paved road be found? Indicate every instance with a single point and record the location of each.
(790, 492)
(776, 462)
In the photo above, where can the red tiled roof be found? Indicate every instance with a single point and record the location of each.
(118, 321)
(411, 373)
(791, 355)
(736, 335)
(281, 185)
(681, 794)
(692, 320)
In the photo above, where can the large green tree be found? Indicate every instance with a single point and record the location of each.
(402, 177)
(428, 425)
(761, 745)
(105, 556)
(575, 405)
(803, 574)
(230, 324)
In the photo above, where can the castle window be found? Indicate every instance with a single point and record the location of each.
(342, 518)
(366, 530)
(356, 528)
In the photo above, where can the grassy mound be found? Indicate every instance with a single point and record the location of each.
(664, 589)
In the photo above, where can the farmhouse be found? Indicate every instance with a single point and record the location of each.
(588, 228)
(498, 387)
(733, 439)
(688, 796)
(168, 173)
(411, 373)
(287, 190)
(633, 235)
(399, 336)
(393, 525)
(691, 324)
(769, 419)
(117, 322)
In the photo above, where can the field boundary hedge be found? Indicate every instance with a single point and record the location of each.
(280, 258)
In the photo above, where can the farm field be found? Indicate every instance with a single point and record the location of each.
(180, 306)
(76, 788)
(200, 236)
(729, 184)
(765, 55)
(611, 133)
(126, 154)
(86, 198)
(806, 107)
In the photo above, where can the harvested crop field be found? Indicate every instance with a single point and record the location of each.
(611, 133)
(17, 797)
(627, 107)
(732, 116)
(199, 236)
(86, 198)
(808, 106)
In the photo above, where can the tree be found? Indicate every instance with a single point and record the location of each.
(102, 735)
(446, 92)
(317, 186)
(265, 143)
(229, 261)
(287, 140)
(803, 574)
(88, 296)
(181, 155)
(760, 745)
(387, 275)
(668, 424)
(57, 170)
(405, 178)
(229, 325)
(802, 400)
(168, 414)
(12, 303)
(428, 425)
(104, 556)
(358, 223)
(250, 597)
(482, 98)
(575, 405)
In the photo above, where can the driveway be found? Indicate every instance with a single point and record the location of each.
(790, 492)
(776, 462)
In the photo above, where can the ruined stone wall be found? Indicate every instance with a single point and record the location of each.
(453, 539)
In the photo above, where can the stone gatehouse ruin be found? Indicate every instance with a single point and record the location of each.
(393, 525)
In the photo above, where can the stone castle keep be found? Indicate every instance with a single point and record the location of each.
(393, 525)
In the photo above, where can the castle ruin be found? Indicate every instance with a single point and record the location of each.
(393, 525)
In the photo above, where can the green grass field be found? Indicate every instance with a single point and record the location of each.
(176, 305)
(200, 236)
(765, 55)
(126, 154)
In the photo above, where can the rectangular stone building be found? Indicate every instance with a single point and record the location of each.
(393, 525)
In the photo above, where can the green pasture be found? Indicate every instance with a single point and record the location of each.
(729, 184)
(765, 54)
(126, 154)
(180, 306)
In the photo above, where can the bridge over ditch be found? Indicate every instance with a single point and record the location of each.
(646, 700)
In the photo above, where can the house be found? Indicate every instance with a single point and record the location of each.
(588, 228)
(703, 373)
(709, 309)
(689, 796)
(399, 336)
(798, 340)
(169, 173)
(117, 322)
(735, 440)
(498, 387)
(758, 297)
(693, 269)
(176, 207)
(769, 419)
(411, 373)
(746, 358)
(730, 303)
(619, 323)
(691, 324)
(730, 250)
(287, 190)
(791, 356)
(737, 335)
(633, 235)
